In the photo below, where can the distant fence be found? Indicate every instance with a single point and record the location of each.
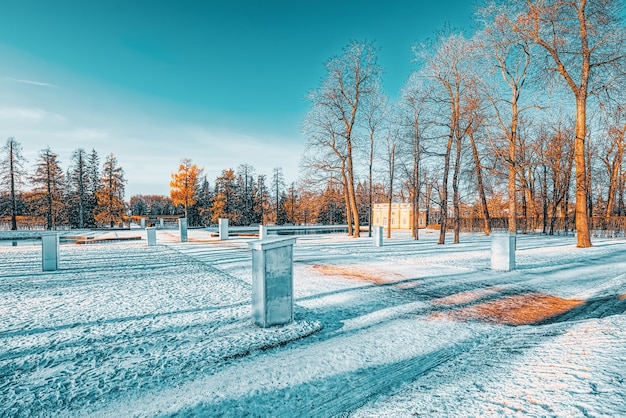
(615, 226)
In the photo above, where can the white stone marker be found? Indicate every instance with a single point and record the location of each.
(503, 252)
(143, 223)
(378, 236)
(262, 232)
(272, 281)
(182, 228)
(151, 235)
(223, 228)
(49, 251)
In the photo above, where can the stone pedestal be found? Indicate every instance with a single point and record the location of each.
(272, 281)
(182, 228)
(143, 223)
(503, 252)
(223, 228)
(262, 232)
(377, 233)
(49, 251)
(151, 236)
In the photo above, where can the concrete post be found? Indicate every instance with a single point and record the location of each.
(182, 228)
(161, 223)
(272, 281)
(49, 251)
(143, 223)
(223, 228)
(262, 232)
(151, 235)
(378, 236)
(503, 251)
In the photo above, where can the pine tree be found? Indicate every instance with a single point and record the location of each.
(78, 182)
(12, 174)
(93, 185)
(48, 182)
(110, 197)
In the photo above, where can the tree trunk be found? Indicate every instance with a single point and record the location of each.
(582, 222)
(13, 197)
(481, 187)
(444, 191)
(455, 187)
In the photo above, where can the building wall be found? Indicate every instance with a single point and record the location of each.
(401, 215)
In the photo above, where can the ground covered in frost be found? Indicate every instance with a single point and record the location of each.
(412, 328)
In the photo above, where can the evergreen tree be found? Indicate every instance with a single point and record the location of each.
(78, 182)
(12, 174)
(48, 182)
(110, 197)
(93, 185)
(224, 202)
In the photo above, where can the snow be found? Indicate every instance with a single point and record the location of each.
(410, 328)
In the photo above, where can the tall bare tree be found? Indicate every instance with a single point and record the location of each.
(448, 67)
(13, 174)
(350, 78)
(413, 106)
(584, 40)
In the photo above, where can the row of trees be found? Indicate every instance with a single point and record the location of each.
(246, 198)
(86, 195)
(530, 107)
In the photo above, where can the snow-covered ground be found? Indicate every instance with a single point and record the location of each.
(411, 328)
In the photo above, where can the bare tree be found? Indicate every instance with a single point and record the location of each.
(413, 106)
(350, 78)
(376, 116)
(585, 41)
(448, 66)
(12, 172)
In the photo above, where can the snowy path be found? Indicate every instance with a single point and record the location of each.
(410, 328)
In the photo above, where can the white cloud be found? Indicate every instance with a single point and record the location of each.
(27, 114)
(31, 82)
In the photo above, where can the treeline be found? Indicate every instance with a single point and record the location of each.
(246, 198)
(525, 117)
(86, 195)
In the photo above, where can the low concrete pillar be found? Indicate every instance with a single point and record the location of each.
(182, 228)
(503, 251)
(143, 222)
(262, 232)
(49, 251)
(223, 228)
(151, 236)
(272, 281)
(161, 223)
(377, 233)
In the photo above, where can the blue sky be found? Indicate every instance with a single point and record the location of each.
(222, 83)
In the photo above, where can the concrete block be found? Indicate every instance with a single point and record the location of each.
(161, 223)
(262, 232)
(272, 281)
(151, 236)
(377, 234)
(182, 228)
(223, 228)
(143, 223)
(503, 251)
(49, 251)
